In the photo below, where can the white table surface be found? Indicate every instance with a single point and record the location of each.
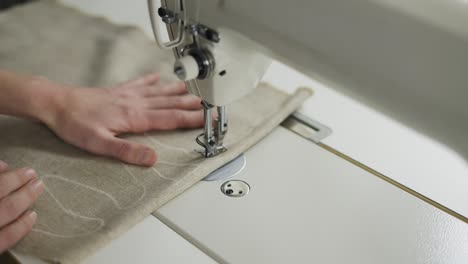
(150, 241)
(359, 132)
(367, 136)
(313, 208)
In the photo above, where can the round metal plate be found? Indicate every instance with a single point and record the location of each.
(235, 188)
(229, 170)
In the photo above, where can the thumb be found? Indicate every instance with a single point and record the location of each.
(128, 151)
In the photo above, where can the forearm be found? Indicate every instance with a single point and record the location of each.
(28, 96)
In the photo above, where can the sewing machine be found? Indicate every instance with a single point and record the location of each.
(321, 201)
(218, 71)
(366, 50)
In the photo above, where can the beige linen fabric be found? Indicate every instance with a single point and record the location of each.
(90, 200)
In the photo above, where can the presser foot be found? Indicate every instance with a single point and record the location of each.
(210, 149)
(214, 132)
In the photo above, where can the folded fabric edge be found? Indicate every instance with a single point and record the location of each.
(128, 220)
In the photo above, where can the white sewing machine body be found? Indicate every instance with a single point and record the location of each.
(412, 68)
(406, 59)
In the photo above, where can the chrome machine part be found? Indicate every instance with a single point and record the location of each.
(229, 170)
(168, 17)
(213, 136)
(306, 127)
(195, 62)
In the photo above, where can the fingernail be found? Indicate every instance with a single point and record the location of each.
(38, 186)
(30, 173)
(3, 165)
(148, 157)
(32, 215)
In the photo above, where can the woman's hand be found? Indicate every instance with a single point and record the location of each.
(19, 189)
(92, 118)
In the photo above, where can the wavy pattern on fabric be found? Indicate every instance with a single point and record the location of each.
(90, 200)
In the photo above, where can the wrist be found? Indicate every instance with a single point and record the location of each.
(47, 100)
